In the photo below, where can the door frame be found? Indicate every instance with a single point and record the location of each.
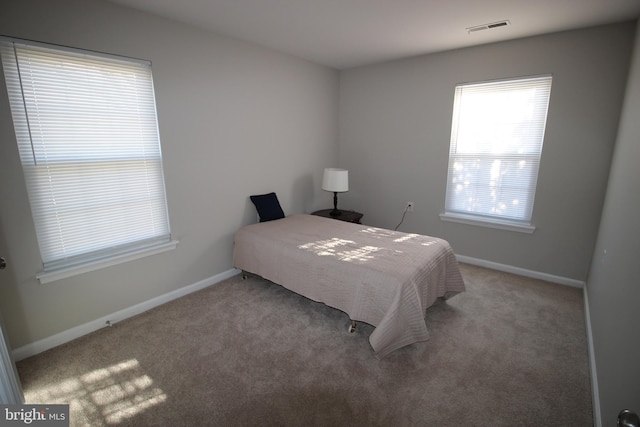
(10, 388)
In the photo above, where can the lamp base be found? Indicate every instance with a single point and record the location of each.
(335, 211)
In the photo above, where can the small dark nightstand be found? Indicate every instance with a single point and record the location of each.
(348, 216)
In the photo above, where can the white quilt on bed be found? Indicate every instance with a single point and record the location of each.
(381, 277)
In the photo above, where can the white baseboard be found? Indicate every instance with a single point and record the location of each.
(76, 332)
(522, 272)
(595, 395)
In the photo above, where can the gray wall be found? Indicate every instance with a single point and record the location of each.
(235, 119)
(613, 287)
(395, 124)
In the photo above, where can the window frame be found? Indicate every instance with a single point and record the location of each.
(495, 220)
(97, 160)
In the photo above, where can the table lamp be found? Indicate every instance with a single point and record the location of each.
(336, 180)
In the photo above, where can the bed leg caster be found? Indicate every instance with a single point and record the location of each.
(244, 276)
(352, 327)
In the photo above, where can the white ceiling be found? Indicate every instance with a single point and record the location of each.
(348, 33)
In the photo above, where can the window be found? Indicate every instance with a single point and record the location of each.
(496, 144)
(88, 139)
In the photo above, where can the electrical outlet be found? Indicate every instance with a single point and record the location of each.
(409, 206)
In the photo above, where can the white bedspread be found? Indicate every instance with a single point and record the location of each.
(381, 277)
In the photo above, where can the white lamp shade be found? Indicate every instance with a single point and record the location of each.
(336, 180)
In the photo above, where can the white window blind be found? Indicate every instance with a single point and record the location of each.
(496, 143)
(88, 139)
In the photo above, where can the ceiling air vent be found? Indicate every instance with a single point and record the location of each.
(488, 26)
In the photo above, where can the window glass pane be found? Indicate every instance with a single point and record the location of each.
(492, 186)
(496, 143)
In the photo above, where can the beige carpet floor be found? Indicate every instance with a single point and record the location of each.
(511, 351)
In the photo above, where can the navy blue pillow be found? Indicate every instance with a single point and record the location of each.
(268, 206)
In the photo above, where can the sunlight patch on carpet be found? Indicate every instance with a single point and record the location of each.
(117, 392)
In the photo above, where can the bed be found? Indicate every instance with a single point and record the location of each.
(381, 277)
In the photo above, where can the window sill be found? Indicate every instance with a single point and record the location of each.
(498, 224)
(65, 272)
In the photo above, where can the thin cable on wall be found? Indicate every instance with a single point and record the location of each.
(403, 215)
